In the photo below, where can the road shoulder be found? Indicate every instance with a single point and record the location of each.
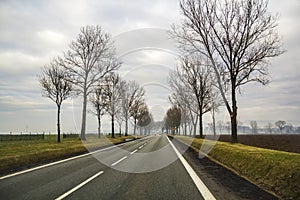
(223, 183)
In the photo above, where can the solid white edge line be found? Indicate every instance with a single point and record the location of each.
(198, 182)
(79, 186)
(119, 161)
(133, 152)
(58, 162)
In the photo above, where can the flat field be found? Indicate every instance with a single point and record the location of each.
(285, 142)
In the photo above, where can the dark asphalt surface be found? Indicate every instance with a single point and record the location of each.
(142, 169)
(170, 182)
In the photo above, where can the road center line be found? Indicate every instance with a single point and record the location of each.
(141, 146)
(119, 161)
(198, 182)
(133, 152)
(79, 186)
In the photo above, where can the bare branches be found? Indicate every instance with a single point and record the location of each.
(131, 93)
(193, 86)
(238, 37)
(55, 83)
(89, 59)
(56, 86)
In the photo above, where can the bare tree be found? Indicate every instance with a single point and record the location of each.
(173, 119)
(138, 108)
(237, 36)
(99, 102)
(280, 124)
(253, 125)
(198, 77)
(131, 93)
(269, 128)
(56, 86)
(120, 119)
(184, 97)
(176, 100)
(145, 120)
(113, 97)
(90, 58)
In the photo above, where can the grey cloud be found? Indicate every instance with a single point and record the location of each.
(34, 31)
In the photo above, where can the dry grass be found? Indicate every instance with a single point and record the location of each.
(275, 171)
(16, 154)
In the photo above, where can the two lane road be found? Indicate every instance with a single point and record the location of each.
(142, 169)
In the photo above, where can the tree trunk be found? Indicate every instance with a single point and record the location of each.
(126, 125)
(58, 123)
(214, 121)
(201, 124)
(112, 126)
(83, 121)
(233, 116)
(195, 125)
(134, 128)
(99, 126)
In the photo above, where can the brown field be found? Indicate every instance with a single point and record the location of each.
(289, 143)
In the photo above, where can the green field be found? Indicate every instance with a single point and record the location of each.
(275, 171)
(18, 153)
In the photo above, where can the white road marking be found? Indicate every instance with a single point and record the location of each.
(198, 182)
(141, 146)
(57, 162)
(119, 161)
(133, 152)
(79, 186)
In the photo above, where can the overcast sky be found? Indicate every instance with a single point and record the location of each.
(33, 32)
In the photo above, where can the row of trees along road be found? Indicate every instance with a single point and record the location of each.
(87, 69)
(237, 37)
(193, 92)
(119, 99)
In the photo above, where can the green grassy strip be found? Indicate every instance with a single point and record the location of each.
(274, 171)
(16, 154)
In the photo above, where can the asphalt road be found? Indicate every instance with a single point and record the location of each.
(149, 168)
(145, 175)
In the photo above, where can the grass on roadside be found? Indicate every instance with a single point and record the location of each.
(16, 154)
(275, 171)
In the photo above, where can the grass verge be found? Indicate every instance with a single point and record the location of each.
(18, 154)
(274, 171)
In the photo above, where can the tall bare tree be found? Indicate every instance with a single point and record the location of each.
(113, 97)
(98, 100)
(56, 86)
(131, 93)
(90, 58)
(138, 109)
(237, 36)
(183, 96)
(145, 120)
(200, 79)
